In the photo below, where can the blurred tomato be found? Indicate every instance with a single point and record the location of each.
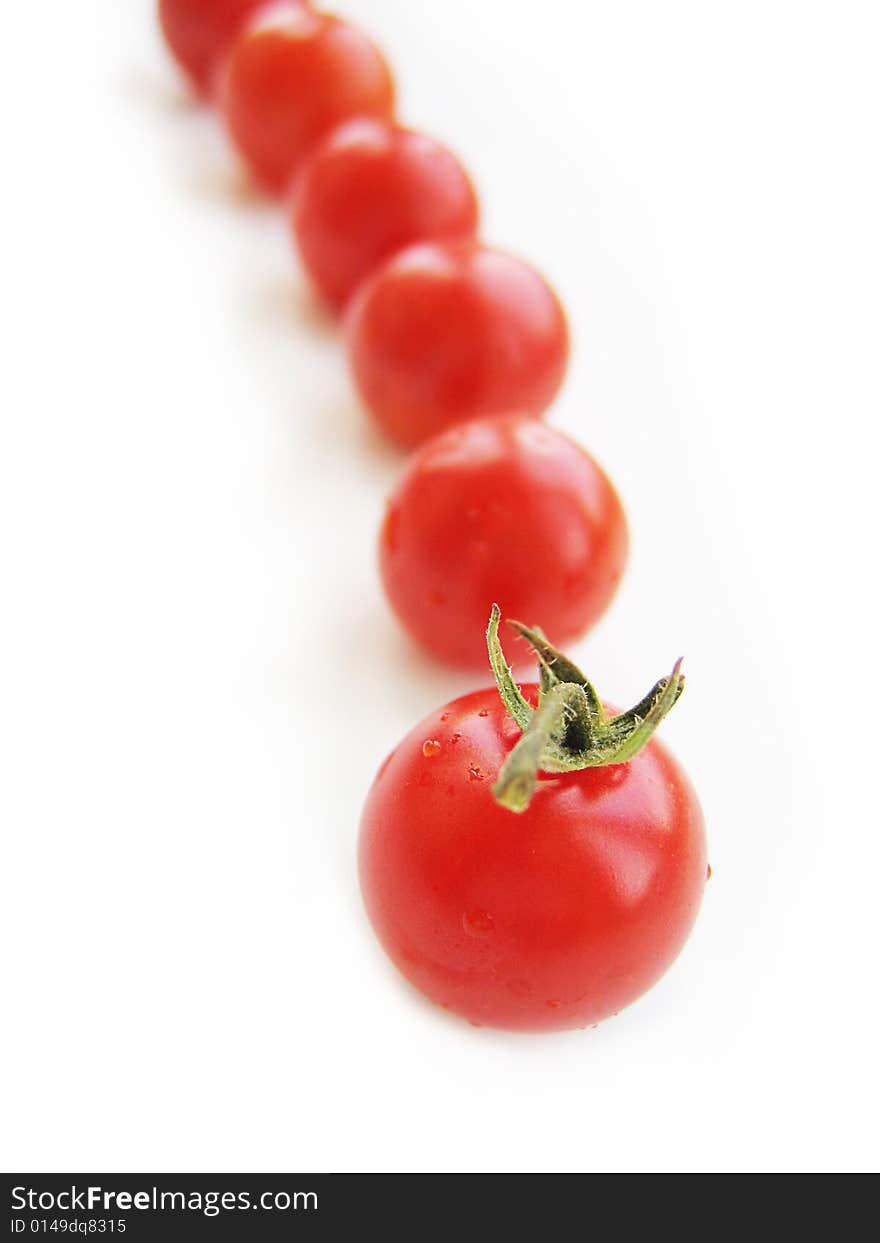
(290, 78)
(200, 32)
(501, 510)
(370, 189)
(450, 331)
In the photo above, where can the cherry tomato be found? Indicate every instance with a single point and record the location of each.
(291, 77)
(502, 509)
(369, 190)
(200, 32)
(444, 332)
(555, 918)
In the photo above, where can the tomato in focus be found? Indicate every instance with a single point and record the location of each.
(200, 32)
(369, 190)
(291, 77)
(552, 919)
(504, 510)
(450, 331)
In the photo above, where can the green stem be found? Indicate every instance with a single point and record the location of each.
(514, 701)
(569, 730)
(540, 746)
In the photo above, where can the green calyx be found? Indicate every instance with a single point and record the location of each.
(569, 730)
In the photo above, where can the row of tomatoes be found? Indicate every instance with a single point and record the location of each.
(441, 330)
(560, 917)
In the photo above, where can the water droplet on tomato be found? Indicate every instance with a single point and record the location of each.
(430, 748)
(483, 712)
(478, 923)
(474, 773)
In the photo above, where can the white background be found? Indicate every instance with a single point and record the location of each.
(199, 675)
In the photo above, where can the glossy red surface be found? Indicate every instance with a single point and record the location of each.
(370, 189)
(290, 79)
(503, 511)
(445, 332)
(552, 919)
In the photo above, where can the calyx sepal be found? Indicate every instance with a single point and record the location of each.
(569, 729)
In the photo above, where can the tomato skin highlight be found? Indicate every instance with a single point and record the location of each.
(450, 331)
(369, 190)
(200, 32)
(291, 77)
(553, 919)
(500, 510)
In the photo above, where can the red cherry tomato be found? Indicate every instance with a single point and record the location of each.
(369, 190)
(555, 918)
(444, 332)
(507, 510)
(200, 32)
(290, 78)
